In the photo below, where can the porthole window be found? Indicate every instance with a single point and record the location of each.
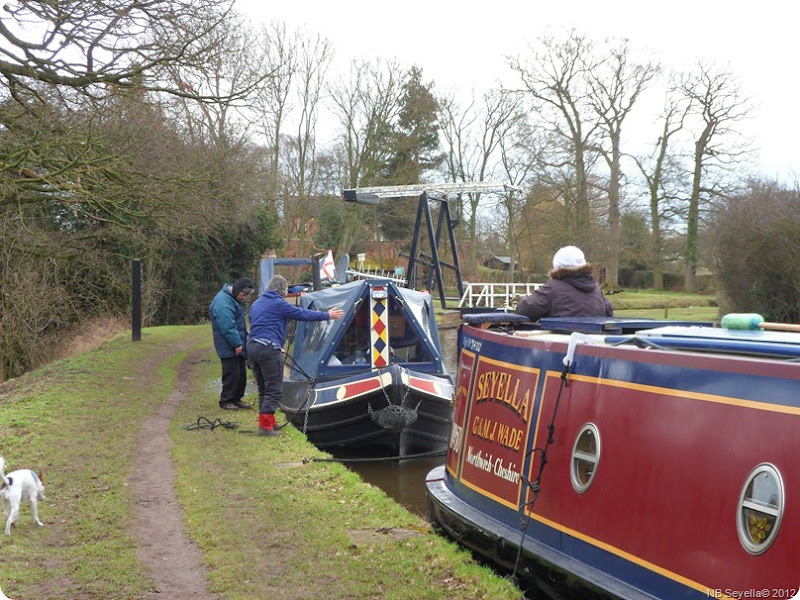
(585, 457)
(760, 508)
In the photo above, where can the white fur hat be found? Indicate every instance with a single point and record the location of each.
(568, 257)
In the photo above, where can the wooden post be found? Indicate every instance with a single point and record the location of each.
(136, 300)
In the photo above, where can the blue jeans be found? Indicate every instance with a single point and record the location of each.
(268, 370)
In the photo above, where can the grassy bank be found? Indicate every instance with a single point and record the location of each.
(665, 305)
(76, 421)
(269, 523)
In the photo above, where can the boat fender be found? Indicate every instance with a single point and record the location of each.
(753, 322)
(574, 339)
(393, 417)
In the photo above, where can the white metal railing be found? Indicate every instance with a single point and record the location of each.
(495, 295)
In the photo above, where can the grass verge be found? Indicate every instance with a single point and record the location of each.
(301, 528)
(269, 524)
(665, 305)
(76, 421)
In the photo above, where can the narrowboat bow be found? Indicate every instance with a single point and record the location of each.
(631, 460)
(374, 380)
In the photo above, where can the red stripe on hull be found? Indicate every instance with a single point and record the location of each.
(424, 385)
(361, 387)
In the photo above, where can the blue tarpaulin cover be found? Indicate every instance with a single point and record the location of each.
(315, 341)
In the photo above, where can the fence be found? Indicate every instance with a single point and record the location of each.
(494, 295)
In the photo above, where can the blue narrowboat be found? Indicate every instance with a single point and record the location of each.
(374, 380)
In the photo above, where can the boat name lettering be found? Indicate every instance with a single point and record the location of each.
(472, 344)
(493, 465)
(499, 433)
(503, 388)
(455, 437)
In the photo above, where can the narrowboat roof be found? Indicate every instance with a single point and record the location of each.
(655, 333)
(768, 344)
(316, 341)
(611, 325)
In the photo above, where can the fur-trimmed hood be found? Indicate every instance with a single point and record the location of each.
(570, 292)
(565, 272)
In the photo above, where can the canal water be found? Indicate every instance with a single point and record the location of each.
(405, 480)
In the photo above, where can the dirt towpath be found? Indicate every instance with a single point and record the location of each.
(172, 560)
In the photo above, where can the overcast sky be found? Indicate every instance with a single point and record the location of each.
(462, 45)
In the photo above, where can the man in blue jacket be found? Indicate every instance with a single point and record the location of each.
(269, 315)
(230, 340)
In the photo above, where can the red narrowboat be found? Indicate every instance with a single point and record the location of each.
(627, 459)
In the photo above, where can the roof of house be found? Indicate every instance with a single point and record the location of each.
(503, 259)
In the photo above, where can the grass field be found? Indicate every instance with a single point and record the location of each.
(665, 305)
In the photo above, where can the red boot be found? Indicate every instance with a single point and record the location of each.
(266, 424)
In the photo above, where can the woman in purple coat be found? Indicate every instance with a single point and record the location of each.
(571, 291)
(269, 315)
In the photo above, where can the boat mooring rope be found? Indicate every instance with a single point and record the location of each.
(378, 458)
(307, 404)
(535, 485)
(204, 422)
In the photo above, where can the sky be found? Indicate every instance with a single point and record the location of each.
(463, 45)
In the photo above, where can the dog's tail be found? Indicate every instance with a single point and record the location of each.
(3, 480)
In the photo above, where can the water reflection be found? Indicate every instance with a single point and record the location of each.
(404, 481)
(448, 337)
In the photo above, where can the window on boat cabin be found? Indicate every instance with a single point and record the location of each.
(405, 346)
(760, 508)
(585, 457)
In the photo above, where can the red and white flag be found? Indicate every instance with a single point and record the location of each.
(327, 268)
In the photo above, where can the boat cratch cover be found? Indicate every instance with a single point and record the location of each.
(333, 348)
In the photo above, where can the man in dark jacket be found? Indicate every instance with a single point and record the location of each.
(230, 340)
(268, 318)
(570, 292)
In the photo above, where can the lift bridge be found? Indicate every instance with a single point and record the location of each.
(442, 193)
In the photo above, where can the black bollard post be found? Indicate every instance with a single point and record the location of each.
(136, 300)
(316, 280)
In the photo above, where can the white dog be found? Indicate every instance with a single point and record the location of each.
(15, 486)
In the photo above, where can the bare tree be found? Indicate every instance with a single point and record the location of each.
(62, 63)
(520, 153)
(278, 54)
(94, 44)
(555, 79)
(662, 175)
(615, 84)
(473, 135)
(367, 106)
(719, 107)
(227, 67)
(299, 165)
